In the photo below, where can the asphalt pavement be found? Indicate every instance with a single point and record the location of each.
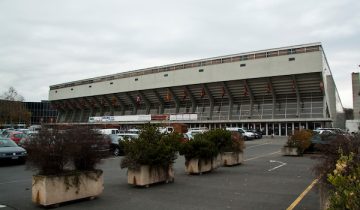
(266, 180)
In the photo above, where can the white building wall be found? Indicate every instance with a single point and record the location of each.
(265, 67)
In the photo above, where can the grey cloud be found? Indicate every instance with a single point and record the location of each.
(69, 40)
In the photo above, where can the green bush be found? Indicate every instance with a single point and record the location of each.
(300, 139)
(346, 185)
(225, 141)
(151, 148)
(199, 147)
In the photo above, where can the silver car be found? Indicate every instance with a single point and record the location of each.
(10, 151)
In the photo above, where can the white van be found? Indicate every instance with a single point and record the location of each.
(166, 129)
(109, 131)
(247, 135)
(193, 131)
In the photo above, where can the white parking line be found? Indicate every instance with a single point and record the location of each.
(20, 180)
(257, 145)
(2, 206)
(260, 156)
(275, 161)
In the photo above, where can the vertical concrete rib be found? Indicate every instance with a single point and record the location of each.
(98, 104)
(192, 99)
(211, 99)
(147, 102)
(231, 99)
(176, 99)
(251, 96)
(296, 88)
(132, 101)
(111, 107)
(273, 96)
(80, 109)
(91, 108)
(121, 103)
(161, 102)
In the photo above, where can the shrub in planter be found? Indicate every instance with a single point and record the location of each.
(199, 154)
(149, 158)
(65, 162)
(230, 145)
(298, 142)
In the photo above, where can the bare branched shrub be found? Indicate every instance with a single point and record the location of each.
(53, 151)
(48, 152)
(300, 139)
(88, 147)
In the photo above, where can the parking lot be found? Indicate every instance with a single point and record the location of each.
(266, 180)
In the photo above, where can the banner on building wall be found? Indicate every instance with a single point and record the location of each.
(183, 117)
(124, 118)
(141, 118)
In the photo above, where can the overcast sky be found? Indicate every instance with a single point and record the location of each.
(47, 42)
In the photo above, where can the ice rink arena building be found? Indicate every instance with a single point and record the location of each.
(275, 90)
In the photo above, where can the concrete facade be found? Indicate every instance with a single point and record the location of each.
(275, 90)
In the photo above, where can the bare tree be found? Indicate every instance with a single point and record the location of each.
(12, 108)
(12, 95)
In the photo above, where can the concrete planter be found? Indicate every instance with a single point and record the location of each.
(146, 175)
(217, 162)
(50, 190)
(199, 166)
(324, 197)
(232, 158)
(290, 151)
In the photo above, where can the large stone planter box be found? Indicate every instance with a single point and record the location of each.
(232, 158)
(146, 175)
(324, 197)
(217, 162)
(290, 151)
(198, 166)
(50, 190)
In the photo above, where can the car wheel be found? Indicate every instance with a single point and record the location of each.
(245, 138)
(116, 151)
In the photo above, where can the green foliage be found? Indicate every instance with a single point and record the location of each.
(330, 154)
(300, 139)
(151, 148)
(199, 147)
(225, 141)
(346, 184)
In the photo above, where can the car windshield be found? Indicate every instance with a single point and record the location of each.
(7, 143)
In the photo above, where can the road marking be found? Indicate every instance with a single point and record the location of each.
(260, 156)
(302, 195)
(20, 180)
(2, 206)
(275, 161)
(257, 145)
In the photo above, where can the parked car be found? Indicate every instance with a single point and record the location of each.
(187, 136)
(245, 134)
(257, 133)
(16, 136)
(116, 148)
(109, 131)
(10, 151)
(331, 130)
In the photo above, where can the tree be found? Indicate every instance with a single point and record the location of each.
(12, 108)
(12, 95)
